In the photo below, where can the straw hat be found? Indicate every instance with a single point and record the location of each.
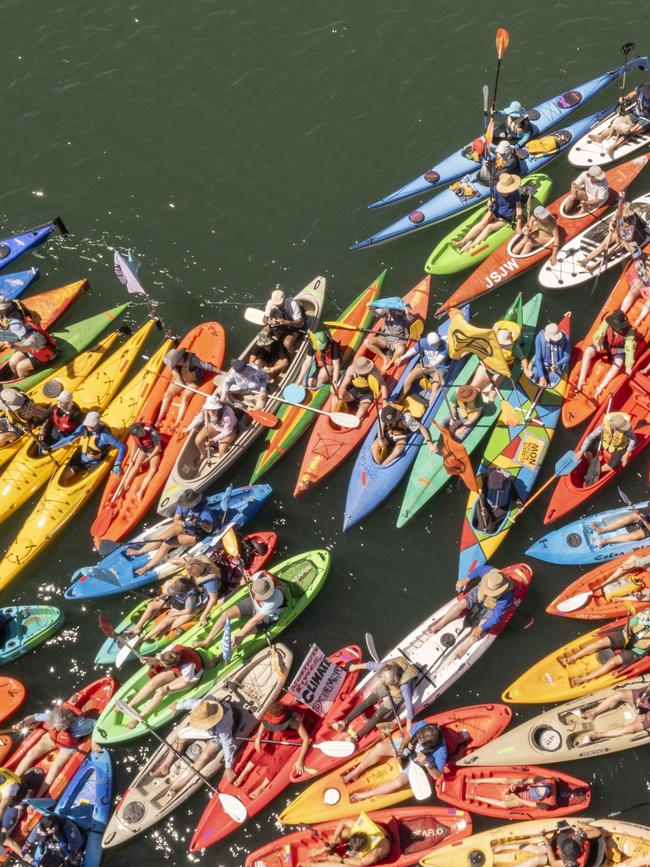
(508, 183)
(493, 583)
(190, 498)
(206, 714)
(212, 403)
(262, 586)
(362, 365)
(553, 333)
(467, 394)
(619, 421)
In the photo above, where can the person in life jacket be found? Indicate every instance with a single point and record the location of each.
(234, 571)
(590, 190)
(33, 347)
(613, 441)
(568, 845)
(58, 840)
(19, 413)
(390, 343)
(503, 159)
(637, 698)
(322, 364)
(634, 118)
(64, 418)
(355, 388)
(13, 791)
(245, 381)
(465, 409)
(504, 207)
(285, 318)
(541, 229)
(360, 841)
(395, 429)
(96, 441)
(214, 428)
(631, 233)
(185, 368)
(433, 354)
(635, 522)
(638, 276)
(530, 792)
(499, 494)
(615, 341)
(552, 354)
(517, 128)
(147, 453)
(270, 354)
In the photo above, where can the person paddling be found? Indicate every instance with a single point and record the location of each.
(612, 442)
(322, 364)
(630, 232)
(626, 646)
(285, 318)
(64, 418)
(634, 118)
(504, 207)
(245, 382)
(147, 453)
(541, 230)
(465, 409)
(58, 842)
(19, 413)
(355, 388)
(498, 496)
(214, 428)
(394, 431)
(433, 353)
(32, 346)
(552, 355)
(517, 128)
(357, 842)
(613, 341)
(590, 190)
(270, 354)
(390, 343)
(96, 442)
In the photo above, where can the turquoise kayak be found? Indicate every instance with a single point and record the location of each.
(29, 626)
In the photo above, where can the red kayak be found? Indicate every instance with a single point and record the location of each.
(475, 788)
(414, 833)
(503, 266)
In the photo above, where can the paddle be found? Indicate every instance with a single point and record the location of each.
(502, 40)
(486, 97)
(563, 466)
(333, 749)
(375, 388)
(108, 630)
(295, 394)
(252, 314)
(266, 419)
(625, 50)
(415, 329)
(593, 470)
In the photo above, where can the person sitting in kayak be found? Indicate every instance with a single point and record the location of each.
(541, 230)
(64, 418)
(626, 646)
(531, 792)
(633, 119)
(552, 354)
(590, 190)
(630, 233)
(262, 607)
(280, 723)
(58, 841)
(503, 160)
(285, 318)
(612, 441)
(13, 791)
(565, 846)
(396, 680)
(390, 342)
(360, 841)
(498, 496)
(33, 347)
(322, 364)
(186, 368)
(508, 336)
(638, 277)
(245, 381)
(504, 207)
(219, 719)
(270, 354)
(214, 427)
(19, 413)
(465, 409)
(517, 128)
(639, 699)
(147, 454)
(355, 387)
(433, 353)
(234, 571)
(396, 427)
(614, 341)
(96, 443)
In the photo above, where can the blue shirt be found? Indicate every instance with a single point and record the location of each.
(548, 353)
(195, 515)
(437, 758)
(104, 439)
(504, 205)
(495, 615)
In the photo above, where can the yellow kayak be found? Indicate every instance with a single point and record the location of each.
(621, 844)
(60, 503)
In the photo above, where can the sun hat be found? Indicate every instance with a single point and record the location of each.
(262, 586)
(190, 498)
(493, 583)
(206, 714)
(92, 419)
(553, 332)
(620, 421)
(321, 339)
(508, 183)
(596, 172)
(212, 402)
(515, 109)
(362, 365)
(277, 297)
(467, 394)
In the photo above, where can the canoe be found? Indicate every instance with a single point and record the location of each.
(328, 798)
(561, 735)
(445, 258)
(429, 474)
(115, 573)
(294, 421)
(469, 191)
(372, 483)
(576, 544)
(301, 577)
(520, 450)
(631, 397)
(107, 653)
(568, 272)
(600, 597)
(12, 695)
(148, 799)
(189, 471)
(503, 265)
(414, 833)
(14, 285)
(30, 626)
(15, 245)
(466, 788)
(30, 470)
(548, 680)
(630, 844)
(60, 503)
(587, 152)
(544, 116)
(329, 445)
(119, 512)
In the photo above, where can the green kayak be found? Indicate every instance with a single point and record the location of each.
(302, 577)
(447, 259)
(28, 626)
(429, 475)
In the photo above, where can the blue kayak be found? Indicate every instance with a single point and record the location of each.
(29, 625)
(13, 285)
(371, 483)
(115, 573)
(543, 116)
(14, 246)
(576, 544)
(469, 191)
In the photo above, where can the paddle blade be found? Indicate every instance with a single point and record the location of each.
(266, 419)
(233, 807)
(416, 329)
(345, 419)
(502, 41)
(486, 98)
(122, 656)
(374, 386)
(370, 644)
(252, 314)
(294, 393)
(509, 414)
(336, 749)
(334, 323)
(105, 626)
(419, 782)
(566, 464)
(127, 710)
(573, 602)
(624, 497)
(230, 543)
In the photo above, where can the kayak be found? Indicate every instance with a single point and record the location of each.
(15, 245)
(328, 444)
(628, 843)
(520, 450)
(189, 471)
(595, 596)
(301, 578)
(149, 798)
(503, 265)
(12, 695)
(329, 798)
(294, 421)
(568, 272)
(14, 285)
(469, 191)
(576, 544)
(587, 152)
(30, 625)
(563, 735)
(469, 789)
(414, 833)
(446, 258)
(60, 503)
(371, 483)
(120, 509)
(544, 116)
(115, 573)
(107, 653)
(215, 823)
(631, 397)
(548, 680)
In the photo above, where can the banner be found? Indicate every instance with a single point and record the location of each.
(455, 459)
(463, 338)
(317, 682)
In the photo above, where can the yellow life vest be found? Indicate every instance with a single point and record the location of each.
(376, 835)
(613, 440)
(360, 382)
(8, 779)
(90, 446)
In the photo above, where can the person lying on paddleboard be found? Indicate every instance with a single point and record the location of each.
(285, 318)
(96, 442)
(58, 842)
(433, 353)
(245, 381)
(19, 413)
(590, 190)
(465, 409)
(503, 208)
(390, 342)
(186, 368)
(541, 229)
(499, 495)
(32, 346)
(635, 521)
(552, 354)
(270, 354)
(612, 442)
(64, 418)
(355, 388)
(214, 428)
(630, 233)
(322, 364)
(613, 341)
(395, 430)
(639, 699)
(357, 842)
(532, 792)
(569, 845)
(633, 119)
(146, 455)
(639, 281)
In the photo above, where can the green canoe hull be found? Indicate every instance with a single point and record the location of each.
(29, 627)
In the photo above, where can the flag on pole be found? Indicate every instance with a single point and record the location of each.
(463, 339)
(126, 271)
(455, 459)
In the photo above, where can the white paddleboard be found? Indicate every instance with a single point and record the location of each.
(587, 152)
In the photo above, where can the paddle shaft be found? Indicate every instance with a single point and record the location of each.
(109, 631)
(615, 219)
(252, 413)
(625, 51)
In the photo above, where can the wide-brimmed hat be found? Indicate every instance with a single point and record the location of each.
(553, 332)
(12, 398)
(264, 338)
(206, 714)
(515, 109)
(618, 321)
(504, 337)
(212, 402)
(277, 721)
(467, 394)
(596, 172)
(190, 498)
(508, 183)
(277, 297)
(92, 419)
(493, 583)
(362, 365)
(262, 586)
(620, 421)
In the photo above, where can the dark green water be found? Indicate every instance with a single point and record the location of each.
(234, 147)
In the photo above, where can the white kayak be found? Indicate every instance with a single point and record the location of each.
(587, 152)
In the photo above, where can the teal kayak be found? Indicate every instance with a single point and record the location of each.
(29, 625)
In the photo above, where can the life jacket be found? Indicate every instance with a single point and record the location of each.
(621, 587)
(64, 739)
(146, 442)
(409, 671)
(90, 445)
(323, 358)
(44, 353)
(613, 340)
(613, 440)
(63, 421)
(374, 832)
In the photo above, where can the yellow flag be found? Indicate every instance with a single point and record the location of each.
(463, 339)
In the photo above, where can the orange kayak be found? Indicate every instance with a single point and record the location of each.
(12, 695)
(118, 515)
(328, 444)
